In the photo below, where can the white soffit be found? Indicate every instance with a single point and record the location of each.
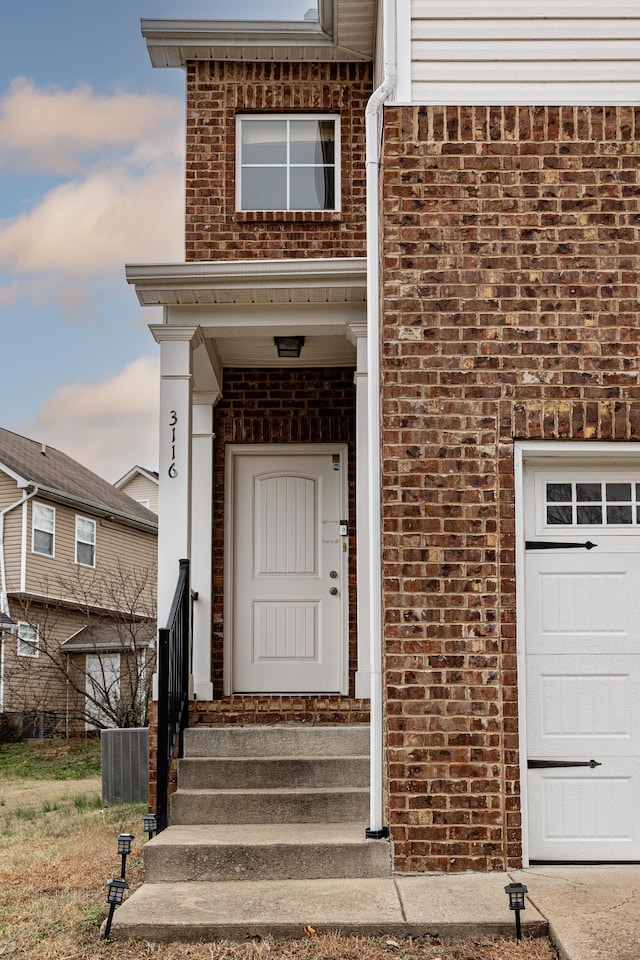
(247, 282)
(344, 32)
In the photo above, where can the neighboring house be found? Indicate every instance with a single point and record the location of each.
(403, 458)
(78, 578)
(142, 486)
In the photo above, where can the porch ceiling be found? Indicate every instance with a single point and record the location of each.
(242, 305)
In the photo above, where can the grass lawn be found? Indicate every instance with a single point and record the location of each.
(58, 849)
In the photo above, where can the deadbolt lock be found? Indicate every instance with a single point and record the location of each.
(333, 574)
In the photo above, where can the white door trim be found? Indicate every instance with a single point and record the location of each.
(273, 449)
(526, 451)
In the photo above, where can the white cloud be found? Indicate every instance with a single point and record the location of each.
(54, 130)
(94, 224)
(121, 196)
(108, 426)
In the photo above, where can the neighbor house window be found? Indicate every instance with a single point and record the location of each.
(288, 162)
(27, 640)
(144, 503)
(44, 522)
(85, 542)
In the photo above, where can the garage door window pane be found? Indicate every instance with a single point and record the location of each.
(619, 515)
(559, 515)
(559, 492)
(618, 492)
(589, 514)
(593, 503)
(588, 492)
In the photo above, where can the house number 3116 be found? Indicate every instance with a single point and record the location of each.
(173, 470)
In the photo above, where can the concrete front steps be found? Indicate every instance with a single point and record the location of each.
(260, 814)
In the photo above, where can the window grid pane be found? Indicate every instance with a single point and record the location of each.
(43, 529)
(310, 160)
(85, 542)
(27, 640)
(592, 503)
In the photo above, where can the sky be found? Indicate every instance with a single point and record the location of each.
(91, 178)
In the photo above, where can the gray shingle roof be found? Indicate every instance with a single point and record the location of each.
(64, 479)
(103, 637)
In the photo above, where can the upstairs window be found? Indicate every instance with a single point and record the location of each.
(85, 542)
(288, 162)
(28, 640)
(44, 522)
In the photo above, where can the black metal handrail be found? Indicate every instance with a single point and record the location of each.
(174, 664)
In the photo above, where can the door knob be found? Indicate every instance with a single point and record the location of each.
(333, 591)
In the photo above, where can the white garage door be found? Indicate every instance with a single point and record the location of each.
(582, 530)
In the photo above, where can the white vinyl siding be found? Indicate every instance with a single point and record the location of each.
(43, 533)
(85, 542)
(498, 51)
(28, 640)
(142, 490)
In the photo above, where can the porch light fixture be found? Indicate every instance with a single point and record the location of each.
(516, 892)
(115, 895)
(150, 824)
(289, 346)
(124, 849)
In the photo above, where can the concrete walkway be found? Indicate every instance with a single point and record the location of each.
(447, 906)
(591, 912)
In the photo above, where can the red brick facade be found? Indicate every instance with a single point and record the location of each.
(216, 94)
(511, 265)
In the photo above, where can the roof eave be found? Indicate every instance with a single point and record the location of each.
(159, 283)
(172, 43)
(99, 509)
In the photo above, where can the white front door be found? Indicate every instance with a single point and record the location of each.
(582, 527)
(289, 562)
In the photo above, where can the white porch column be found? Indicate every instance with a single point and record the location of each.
(357, 334)
(174, 520)
(201, 540)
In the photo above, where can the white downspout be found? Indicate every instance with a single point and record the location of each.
(4, 599)
(373, 128)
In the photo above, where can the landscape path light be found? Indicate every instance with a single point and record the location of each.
(115, 895)
(150, 824)
(124, 849)
(516, 892)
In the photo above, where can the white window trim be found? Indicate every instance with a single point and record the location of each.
(144, 502)
(335, 117)
(33, 643)
(80, 540)
(586, 474)
(45, 506)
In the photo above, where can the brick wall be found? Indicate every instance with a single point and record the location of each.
(281, 406)
(216, 93)
(511, 308)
